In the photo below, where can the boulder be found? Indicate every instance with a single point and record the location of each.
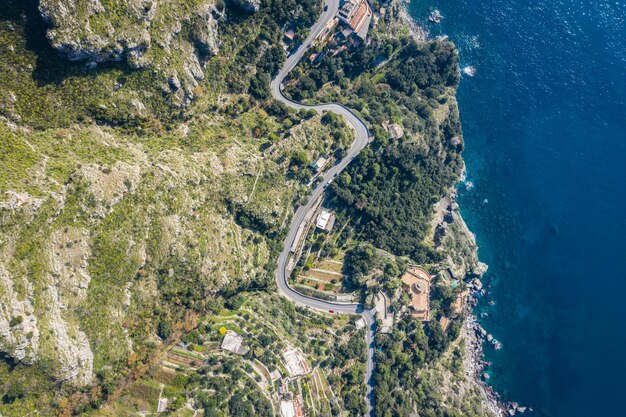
(480, 269)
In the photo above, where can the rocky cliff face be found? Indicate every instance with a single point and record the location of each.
(37, 319)
(172, 38)
(454, 240)
(19, 335)
(91, 30)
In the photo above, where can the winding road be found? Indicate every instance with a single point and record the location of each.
(360, 142)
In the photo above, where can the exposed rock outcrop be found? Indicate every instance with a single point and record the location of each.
(453, 238)
(67, 289)
(170, 38)
(34, 322)
(87, 30)
(19, 335)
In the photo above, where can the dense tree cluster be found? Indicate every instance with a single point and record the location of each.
(434, 65)
(372, 271)
(399, 359)
(350, 356)
(390, 193)
(224, 387)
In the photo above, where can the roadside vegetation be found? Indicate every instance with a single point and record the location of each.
(405, 91)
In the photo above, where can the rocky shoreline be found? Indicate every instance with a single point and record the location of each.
(418, 32)
(472, 332)
(475, 366)
(449, 226)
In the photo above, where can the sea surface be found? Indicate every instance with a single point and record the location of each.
(544, 121)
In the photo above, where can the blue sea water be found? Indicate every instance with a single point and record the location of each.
(544, 121)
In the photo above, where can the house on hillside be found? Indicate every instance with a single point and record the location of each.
(394, 129)
(287, 408)
(295, 363)
(417, 282)
(356, 15)
(325, 221)
(319, 164)
(289, 35)
(233, 343)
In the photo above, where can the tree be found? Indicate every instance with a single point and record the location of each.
(164, 329)
(238, 406)
(299, 159)
(14, 392)
(360, 260)
(235, 302)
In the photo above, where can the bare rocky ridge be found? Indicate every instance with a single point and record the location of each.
(171, 38)
(84, 30)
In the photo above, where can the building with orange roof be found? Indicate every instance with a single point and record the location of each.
(417, 282)
(357, 15)
(459, 302)
(444, 322)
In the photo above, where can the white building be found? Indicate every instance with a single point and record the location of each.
(320, 164)
(325, 220)
(360, 323)
(287, 409)
(233, 342)
(275, 375)
(295, 363)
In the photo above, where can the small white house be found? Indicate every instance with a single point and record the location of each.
(325, 220)
(233, 342)
(320, 164)
(287, 409)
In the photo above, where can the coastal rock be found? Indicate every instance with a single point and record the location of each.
(480, 269)
(455, 141)
(477, 284)
(458, 244)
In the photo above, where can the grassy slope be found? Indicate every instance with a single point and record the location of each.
(141, 204)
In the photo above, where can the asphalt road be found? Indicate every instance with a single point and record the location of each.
(361, 141)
